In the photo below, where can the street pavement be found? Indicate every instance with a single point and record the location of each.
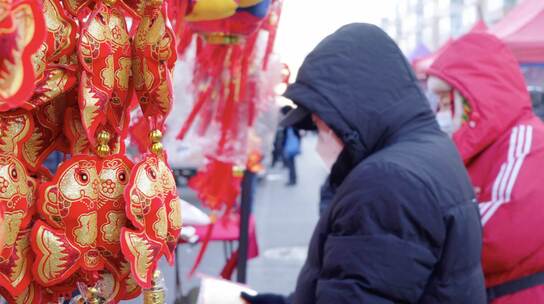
(285, 218)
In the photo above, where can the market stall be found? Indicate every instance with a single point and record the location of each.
(521, 30)
(233, 77)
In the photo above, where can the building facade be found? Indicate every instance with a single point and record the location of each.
(432, 22)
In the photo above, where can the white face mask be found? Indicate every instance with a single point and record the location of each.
(449, 123)
(328, 148)
(445, 121)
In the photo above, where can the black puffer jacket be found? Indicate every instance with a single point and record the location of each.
(403, 226)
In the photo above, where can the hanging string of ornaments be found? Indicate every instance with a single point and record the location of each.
(227, 102)
(71, 74)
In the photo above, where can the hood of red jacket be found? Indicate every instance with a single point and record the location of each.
(486, 73)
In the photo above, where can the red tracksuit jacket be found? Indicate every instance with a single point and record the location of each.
(502, 145)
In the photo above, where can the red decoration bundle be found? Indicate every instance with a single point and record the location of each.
(69, 72)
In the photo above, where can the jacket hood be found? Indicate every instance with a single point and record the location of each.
(486, 73)
(359, 83)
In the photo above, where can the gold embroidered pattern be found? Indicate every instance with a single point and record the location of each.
(122, 75)
(79, 180)
(110, 286)
(75, 5)
(149, 79)
(107, 74)
(111, 231)
(39, 61)
(51, 246)
(163, 50)
(55, 84)
(118, 27)
(5, 6)
(164, 97)
(33, 146)
(12, 222)
(150, 31)
(91, 258)
(21, 262)
(167, 178)
(80, 144)
(12, 74)
(91, 101)
(114, 178)
(28, 295)
(175, 213)
(130, 284)
(160, 226)
(13, 129)
(143, 255)
(15, 182)
(97, 29)
(57, 26)
(85, 234)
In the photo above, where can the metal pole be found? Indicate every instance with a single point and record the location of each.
(245, 211)
(179, 291)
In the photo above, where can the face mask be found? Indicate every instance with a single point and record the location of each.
(445, 121)
(451, 122)
(328, 148)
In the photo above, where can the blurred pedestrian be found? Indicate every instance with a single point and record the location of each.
(279, 139)
(277, 149)
(287, 148)
(484, 105)
(290, 148)
(403, 226)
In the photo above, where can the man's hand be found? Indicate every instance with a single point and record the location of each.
(266, 298)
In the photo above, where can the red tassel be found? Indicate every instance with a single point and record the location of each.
(272, 25)
(202, 98)
(204, 246)
(229, 267)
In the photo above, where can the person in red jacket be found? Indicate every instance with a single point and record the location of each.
(484, 105)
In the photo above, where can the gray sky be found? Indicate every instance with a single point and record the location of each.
(305, 22)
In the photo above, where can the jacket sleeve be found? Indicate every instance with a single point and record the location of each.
(385, 236)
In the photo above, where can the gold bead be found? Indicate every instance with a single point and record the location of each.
(155, 136)
(156, 148)
(103, 137)
(157, 276)
(154, 296)
(110, 2)
(93, 295)
(92, 292)
(103, 150)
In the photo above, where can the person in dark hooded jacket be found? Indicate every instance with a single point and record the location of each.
(403, 226)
